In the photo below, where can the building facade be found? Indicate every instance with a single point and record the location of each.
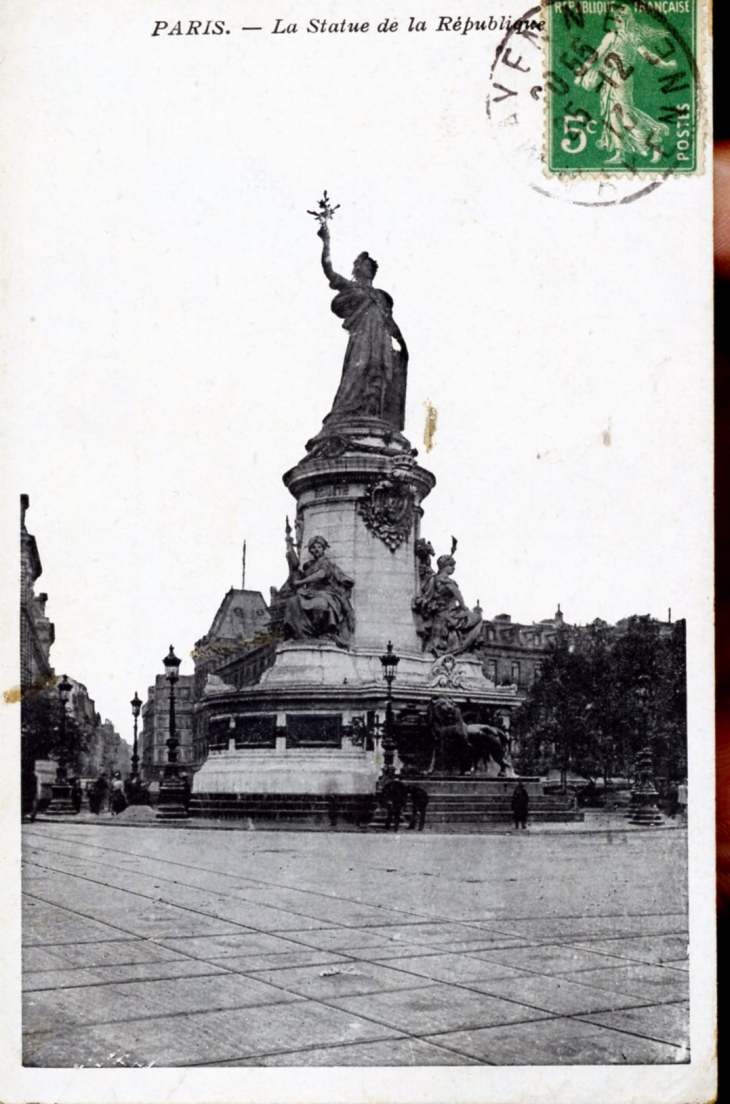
(37, 632)
(155, 729)
(237, 649)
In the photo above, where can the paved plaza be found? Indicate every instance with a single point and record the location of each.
(186, 947)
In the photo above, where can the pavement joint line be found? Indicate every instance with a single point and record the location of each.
(582, 1018)
(412, 923)
(163, 901)
(612, 958)
(167, 1015)
(117, 927)
(259, 881)
(411, 1036)
(536, 829)
(286, 886)
(356, 902)
(527, 970)
(120, 981)
(574, 1018)
(532, 972)
(297, 1001)
(431, 984)
(305, 1049)
(428, 983)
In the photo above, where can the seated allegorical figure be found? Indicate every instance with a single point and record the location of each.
(319, 603)
(446, 624)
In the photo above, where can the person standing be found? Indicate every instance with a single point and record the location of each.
(29, 793)
(102, 787)
(186, 788)
(682, 798)
(419, 802)
(117, 801)
(520, 804)
(393, 796)
(76, 795)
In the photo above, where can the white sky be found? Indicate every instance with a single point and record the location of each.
(171, 346)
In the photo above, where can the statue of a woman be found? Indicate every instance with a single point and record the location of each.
(319, 604)
(447, 625)
(373, 382)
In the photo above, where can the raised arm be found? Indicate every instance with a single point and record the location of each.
(598, 55)
(336, 281)
(654, 59)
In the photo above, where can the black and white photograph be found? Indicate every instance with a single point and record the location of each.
(358, 736)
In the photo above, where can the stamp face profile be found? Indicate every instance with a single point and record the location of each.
(622, 87)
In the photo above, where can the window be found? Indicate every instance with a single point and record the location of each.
(515, 672)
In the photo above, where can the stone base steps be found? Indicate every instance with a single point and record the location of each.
(352, 808)
(494, 816)
(443, 808)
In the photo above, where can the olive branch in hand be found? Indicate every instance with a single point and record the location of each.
(326, 211)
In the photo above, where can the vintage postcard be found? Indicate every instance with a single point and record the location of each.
(358, 730)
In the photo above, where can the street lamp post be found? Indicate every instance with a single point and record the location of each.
(136, 707)
(643, 808)
(134, 786)
(60, 789)
(171, 805)
(390, 662)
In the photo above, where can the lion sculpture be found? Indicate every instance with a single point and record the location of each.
(462, 747)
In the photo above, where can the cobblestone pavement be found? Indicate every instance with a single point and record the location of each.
(148, 946)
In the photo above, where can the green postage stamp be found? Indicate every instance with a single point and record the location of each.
(622, 86)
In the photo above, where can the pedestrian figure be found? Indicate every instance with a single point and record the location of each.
(419, 801)
(102, 787)
(186, 788)
(75, 794)
(520, 802)
(393, 796)
(589, 794)
(682, 797)
(332, 809)
(117, 801)
(29, 794)
(94, 798)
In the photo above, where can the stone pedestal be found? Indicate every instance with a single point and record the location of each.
(287, 739)
(171, 801)
(367, 506)
(644, 809)
(284, 770)
(61, 802)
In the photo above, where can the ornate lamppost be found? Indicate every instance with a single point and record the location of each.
(136, 705)
(171, 804)
(643, 808)
(390, 662)
(60, 789)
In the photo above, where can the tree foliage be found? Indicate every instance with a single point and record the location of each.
(47, 734)
(586, 711)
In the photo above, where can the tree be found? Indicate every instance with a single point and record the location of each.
(47, 734)
(552, 720)
(602, 694)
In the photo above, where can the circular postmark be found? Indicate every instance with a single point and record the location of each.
(527, 68)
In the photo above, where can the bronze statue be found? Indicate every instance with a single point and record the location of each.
(444, 622)
(373, 382)
(319, 603)
(459, 746)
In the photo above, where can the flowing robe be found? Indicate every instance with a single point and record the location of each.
(321, 607)
(625, 126)
(373, 382)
